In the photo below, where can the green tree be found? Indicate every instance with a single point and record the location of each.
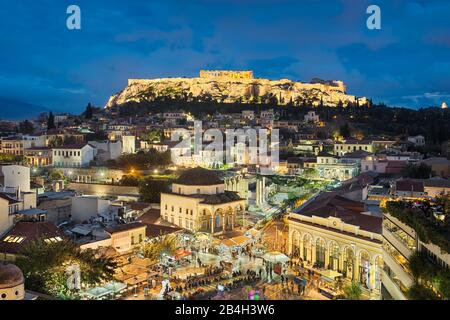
(150, 189)
(421, 171)
(344, 131)
(44, 266)
(51, 121)
(88, 113)
(353, 291)
(166, 244)
(26, 127)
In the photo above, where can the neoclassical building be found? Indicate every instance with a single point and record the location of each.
(333, 232)
(199, 202)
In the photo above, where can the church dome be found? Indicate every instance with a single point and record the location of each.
(10, 276)
(199, 177)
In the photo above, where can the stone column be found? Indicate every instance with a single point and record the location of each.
(313, 253)
(224, 222)
(356, 268)
(341, 260)
(327, 257)
(212, 223)
(301, 248)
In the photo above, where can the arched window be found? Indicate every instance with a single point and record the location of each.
(349, 257)
(320, 252)
(307, 247)
(334, 256)
(364, 269)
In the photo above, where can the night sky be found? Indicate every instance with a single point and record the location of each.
(406, 63)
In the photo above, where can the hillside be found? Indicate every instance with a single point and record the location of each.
(276, 92)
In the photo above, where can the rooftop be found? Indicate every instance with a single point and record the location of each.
(25, 232)
(332, 204)
(199, 177)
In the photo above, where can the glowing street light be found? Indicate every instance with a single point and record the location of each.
(155, 171)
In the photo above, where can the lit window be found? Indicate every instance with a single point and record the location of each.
(13, 239)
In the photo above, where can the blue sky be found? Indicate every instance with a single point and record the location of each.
(406, 63)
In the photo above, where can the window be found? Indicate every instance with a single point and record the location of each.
(132, 240)
(13, 239)
(198, 191)
(180, 210)
(165, 206)
(173, 208)
(140, 238)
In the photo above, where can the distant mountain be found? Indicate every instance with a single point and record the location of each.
(11, 109)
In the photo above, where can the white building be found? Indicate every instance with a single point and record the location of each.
(417, 141)
(311, 116)
(248, 115)
(107, 150)
(72, 156)
(85, 208)
(16, 177)
(128, 144)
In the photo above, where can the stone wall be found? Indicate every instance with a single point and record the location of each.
(103, 189)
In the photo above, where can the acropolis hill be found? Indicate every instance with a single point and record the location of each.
(236, 87)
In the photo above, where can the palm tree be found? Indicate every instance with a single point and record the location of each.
(353, 291)
(164, 245)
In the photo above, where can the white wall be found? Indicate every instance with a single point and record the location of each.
(16, 176)
(128, 144)
(86, 207)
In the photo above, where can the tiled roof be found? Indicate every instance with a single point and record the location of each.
(332, 204)
(150, 216)
(199, 177)
(409, 185)
(220, 198)
(124, 227)
(29, 231)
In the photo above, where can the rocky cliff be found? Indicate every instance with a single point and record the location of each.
(282, 92)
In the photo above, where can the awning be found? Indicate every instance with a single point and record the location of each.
(330, 275)
(300, 281)
(180, 253)
(109, 288)
(275, 257)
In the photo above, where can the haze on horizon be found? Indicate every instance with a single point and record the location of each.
(406, 63)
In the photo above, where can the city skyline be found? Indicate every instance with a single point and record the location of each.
(45, 64)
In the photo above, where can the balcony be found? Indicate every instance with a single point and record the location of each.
(397, 242)
(398, 269)
(392, 287)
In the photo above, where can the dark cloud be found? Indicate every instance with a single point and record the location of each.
(41, 62)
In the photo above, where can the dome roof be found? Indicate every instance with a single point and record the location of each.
(199, 177)
(10, 276)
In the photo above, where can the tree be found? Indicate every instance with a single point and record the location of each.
(150, 189)
(45, 265)
(353, 291)
(166, 244)
(129, 181)
(88, 113)
(344, 130)
(421, 171)
(51, 121)
(26, 127)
